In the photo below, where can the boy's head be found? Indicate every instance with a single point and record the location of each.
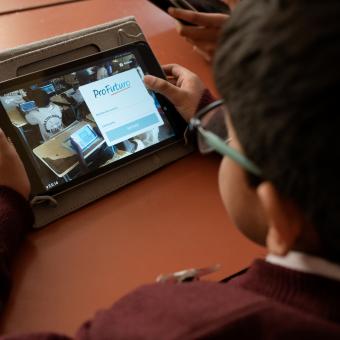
(41, 98)
(278, 70)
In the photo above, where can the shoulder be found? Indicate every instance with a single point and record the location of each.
(32, 116)
(54, 107)
(186, 311)
(198, 310)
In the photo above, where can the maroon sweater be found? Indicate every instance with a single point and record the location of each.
(267, 302)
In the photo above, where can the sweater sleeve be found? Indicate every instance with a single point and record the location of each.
(206, 99)
(16, 218)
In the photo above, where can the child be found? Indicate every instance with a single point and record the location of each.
(47, 114)
(206, 28)
(277, 69)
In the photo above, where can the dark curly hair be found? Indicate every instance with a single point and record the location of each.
(278, 68)
(40, 97)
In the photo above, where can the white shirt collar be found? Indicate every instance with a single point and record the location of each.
(307, 264)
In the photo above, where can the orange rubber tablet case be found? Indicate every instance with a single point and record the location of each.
(57, 50)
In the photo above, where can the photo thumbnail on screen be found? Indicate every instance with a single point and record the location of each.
(87, 119)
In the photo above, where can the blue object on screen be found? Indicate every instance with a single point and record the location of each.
(49, 88)
(27, 106)
(84, 137)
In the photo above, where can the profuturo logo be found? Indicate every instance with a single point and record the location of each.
(112, 89)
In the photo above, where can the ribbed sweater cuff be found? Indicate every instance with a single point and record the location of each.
(205, 100)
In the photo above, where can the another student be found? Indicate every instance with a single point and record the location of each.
(206, 29)
(279, 182)
(102, 72)
(47, 115)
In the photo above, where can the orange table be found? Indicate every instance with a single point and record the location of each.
(170, 220)
(24, 5)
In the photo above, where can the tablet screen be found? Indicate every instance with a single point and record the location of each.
(83, 138)
(86, 118)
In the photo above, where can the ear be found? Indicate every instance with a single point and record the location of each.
(284, 220)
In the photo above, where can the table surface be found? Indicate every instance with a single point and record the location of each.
(170, 220)
(8, 7)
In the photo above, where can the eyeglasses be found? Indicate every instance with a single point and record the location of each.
(212, 135)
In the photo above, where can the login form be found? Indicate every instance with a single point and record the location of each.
(121, 106)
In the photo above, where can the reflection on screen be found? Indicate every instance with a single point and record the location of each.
(84, 120)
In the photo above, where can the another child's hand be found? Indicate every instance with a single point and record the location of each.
(204, 37)
(184, 88)
(232, 3)
(12, 171)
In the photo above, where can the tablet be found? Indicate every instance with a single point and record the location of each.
(82, 119)
(83, 138)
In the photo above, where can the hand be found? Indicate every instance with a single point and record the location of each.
(12, 171)
(184, 88)
(232, 3)
(204, 37)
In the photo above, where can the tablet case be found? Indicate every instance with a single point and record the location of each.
(57, 50)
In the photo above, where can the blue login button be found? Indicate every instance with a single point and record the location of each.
(132, 127)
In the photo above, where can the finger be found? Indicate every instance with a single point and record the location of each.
(199, 33)
(232, 3)
(172, 80)
(4, 144)
(10, 142)
(174, 70)
(163, 87)
(198, 18)
(167, 69)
